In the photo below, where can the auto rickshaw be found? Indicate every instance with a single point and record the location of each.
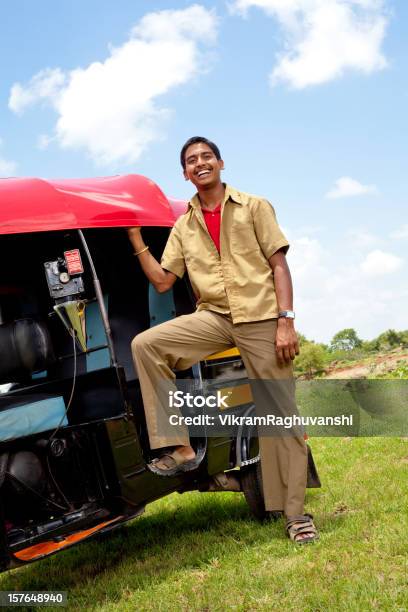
(74, 451)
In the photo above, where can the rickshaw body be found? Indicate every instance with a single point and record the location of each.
(74, 449)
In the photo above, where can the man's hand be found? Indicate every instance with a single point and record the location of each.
(287, 345)
(135, 235)
(161, 279)
(136, 238)
(134, 231)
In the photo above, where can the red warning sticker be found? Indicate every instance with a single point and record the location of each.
(74, 263)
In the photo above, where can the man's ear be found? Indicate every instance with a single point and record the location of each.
(185, 175)
(221, 164)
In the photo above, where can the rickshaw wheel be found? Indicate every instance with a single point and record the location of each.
(251, 484)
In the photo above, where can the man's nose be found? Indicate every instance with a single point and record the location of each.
(201, 161)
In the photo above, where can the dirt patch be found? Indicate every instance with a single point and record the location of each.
(376, 365)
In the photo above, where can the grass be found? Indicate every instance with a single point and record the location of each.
(204, 552)
(378, 406)
(400, 371)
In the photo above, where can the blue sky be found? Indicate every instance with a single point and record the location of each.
(306, 99)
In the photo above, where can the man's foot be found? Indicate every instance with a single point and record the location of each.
(224, 482)
(181, 459)
(301, 529)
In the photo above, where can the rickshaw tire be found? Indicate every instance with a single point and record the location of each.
(251, 484)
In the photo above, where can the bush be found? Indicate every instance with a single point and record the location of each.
(369, 346)
(313, 358)
(391, 339)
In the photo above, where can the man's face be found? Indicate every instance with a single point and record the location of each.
(203, 169)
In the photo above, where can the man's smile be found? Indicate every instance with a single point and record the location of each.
(202, 173)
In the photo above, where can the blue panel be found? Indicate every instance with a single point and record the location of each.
(39, 375)
(95, 337)
(161, 306)
(35, 417)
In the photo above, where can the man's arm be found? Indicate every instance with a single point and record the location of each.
(161, 279)
(287, 346)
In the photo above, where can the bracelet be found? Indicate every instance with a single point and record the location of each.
(141, 251)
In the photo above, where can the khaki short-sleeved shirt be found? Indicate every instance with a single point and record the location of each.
(238, 280)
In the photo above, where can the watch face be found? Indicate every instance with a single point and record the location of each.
(287, 314)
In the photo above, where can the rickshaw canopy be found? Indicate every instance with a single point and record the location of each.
(37, 205)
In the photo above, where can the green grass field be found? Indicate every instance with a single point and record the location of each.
(204, 552)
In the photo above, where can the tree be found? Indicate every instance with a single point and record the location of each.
(390, 339)
(369, 346)
(345, 340)
(312, 359)
(404, 335)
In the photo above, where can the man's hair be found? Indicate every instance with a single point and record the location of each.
(196, 140)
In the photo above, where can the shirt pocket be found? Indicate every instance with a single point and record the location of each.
(242, 235)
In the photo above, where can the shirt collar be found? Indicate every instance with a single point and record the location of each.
(230, 194)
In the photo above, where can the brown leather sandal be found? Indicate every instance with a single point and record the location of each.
(297, 525)
(172, 463)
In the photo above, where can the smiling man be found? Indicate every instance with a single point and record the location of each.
(230, 244)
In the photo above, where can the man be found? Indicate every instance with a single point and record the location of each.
(234, 252)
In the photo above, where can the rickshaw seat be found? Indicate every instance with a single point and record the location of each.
(232, 352)
(161, 306)
(30, 415)
(25, 348)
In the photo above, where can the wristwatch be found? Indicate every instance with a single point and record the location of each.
(286, 314)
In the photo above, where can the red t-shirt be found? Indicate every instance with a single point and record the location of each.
(212, 220)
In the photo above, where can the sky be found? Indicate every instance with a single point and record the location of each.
(306, 99)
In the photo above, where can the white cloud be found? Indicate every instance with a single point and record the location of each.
(400, 233)
(324, 38)
(44, 140)
(307, 254)
(110, 108)
(379, 263)
(46, 84)
(332, 291)
(346, 187)
(7, 167)
(361, 238)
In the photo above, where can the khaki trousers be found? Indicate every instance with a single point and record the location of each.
(185, 340)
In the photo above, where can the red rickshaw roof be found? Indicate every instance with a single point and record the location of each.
(179, 207)
(37, 205)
